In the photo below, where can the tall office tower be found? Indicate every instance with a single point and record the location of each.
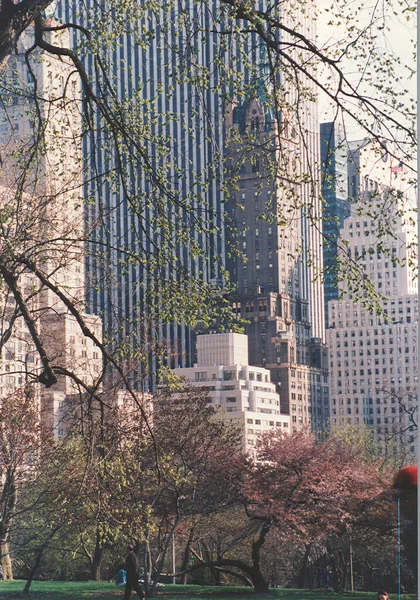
(270, 267)
(161, 233)
(373, 341)
(244, 393)
(41, 198)
(174, 67)
(336, 202)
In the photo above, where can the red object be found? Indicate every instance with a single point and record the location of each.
(406, 478)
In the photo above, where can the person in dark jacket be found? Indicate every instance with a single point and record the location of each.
(132, 566)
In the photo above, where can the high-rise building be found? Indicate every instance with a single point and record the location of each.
(244, 393)
(176, 82)
(172, 85)
(336, 202)
(42, 194)
(373, 327)
(274, 273)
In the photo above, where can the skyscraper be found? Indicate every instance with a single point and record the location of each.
(336, 207)
(272, 268)
(41, 192)
(155, 222)
(175, 68)
(373, 328)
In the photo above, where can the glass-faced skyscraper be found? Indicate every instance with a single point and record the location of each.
(155, 212)
(334, 164)
(154, 189)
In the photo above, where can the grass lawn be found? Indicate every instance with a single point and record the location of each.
(70, 590)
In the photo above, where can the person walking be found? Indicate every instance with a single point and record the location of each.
(131, 568)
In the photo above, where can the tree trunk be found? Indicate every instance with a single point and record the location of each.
(302, 571)
(216, 576)
(38, 559)
(33, 570)
(95, 565)
(185, 561)
(251, 572)
(336, 575)
(258, 581)
(6, 562)
(343, 570)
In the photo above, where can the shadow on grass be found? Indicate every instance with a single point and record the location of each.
(92, 590)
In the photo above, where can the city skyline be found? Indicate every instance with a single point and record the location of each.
(168, 196)
(130, 294)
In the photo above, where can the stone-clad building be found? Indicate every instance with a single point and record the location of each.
(270, 267)
(243, 392)
(46, 222)
(373, 342)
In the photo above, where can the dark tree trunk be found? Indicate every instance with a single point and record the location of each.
(336, 575)
(38, 560)
(185, 562)
(33, 570)
(302, 571)
(95, 567)
(186, 556)
(215, 574)
(252, 572)
(258, 581)
(343, 570)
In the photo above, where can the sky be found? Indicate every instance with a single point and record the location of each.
(400, 40)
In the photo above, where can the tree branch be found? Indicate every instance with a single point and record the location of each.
(14, 19)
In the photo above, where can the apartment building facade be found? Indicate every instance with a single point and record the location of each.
(243, 393)
(42, 194)
(373, 330)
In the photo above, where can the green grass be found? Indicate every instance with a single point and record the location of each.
(80, 590)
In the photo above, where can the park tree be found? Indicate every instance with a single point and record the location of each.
(192, 467)
(314, 491)
(45, 527)
(70, 508)
(112, 482)
(19, 457)
(206, 540)
(304, 491)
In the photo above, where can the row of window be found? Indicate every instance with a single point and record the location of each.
(361, 344)
(405, 300)
(267, 423)
(383, 332)
(408, 380)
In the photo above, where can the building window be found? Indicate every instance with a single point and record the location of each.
(228, 375)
